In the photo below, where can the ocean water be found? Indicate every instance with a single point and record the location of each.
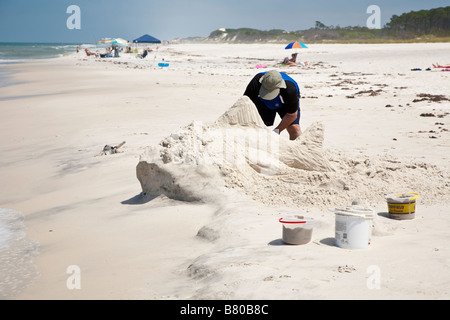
(11, 53)
(17, 251)
(25, 51)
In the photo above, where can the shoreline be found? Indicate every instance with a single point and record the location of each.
(86, 209)
(5, 75)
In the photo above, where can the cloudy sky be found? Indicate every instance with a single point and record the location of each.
(46, 20)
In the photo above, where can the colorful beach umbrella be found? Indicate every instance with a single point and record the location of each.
(296, 45)
(121, 41)
(118, 41)
(106, 40)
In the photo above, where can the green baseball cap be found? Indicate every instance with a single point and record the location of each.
(271, 83)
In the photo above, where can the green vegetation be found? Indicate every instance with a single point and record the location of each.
(250, 35)
(419, 23)
(425, 25)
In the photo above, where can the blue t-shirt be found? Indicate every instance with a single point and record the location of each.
(288, 99)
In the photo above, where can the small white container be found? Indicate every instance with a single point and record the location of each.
(297, 229)
(353, 229)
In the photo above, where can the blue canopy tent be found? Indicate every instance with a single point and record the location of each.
(146, 39)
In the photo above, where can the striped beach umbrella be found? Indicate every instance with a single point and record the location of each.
(296, 45)
(106, 40)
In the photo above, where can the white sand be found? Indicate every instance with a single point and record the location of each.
(87, 210)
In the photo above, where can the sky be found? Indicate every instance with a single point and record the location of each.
(46, 20)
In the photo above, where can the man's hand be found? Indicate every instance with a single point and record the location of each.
(286, 121)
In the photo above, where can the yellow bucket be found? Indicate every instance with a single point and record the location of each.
(402, 206)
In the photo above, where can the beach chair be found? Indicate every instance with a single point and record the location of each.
(143, 55)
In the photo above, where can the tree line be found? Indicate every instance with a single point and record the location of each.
(428, 23)
(434, 21)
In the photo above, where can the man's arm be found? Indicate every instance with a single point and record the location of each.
(291, 102)
(286, 121)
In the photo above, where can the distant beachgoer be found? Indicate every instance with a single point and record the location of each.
(108, 54)
(143, 55)
(275, 93)
(89, 53)
(437, 65)
(292, 61)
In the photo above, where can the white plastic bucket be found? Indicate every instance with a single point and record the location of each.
(353, 229)
(297, 229)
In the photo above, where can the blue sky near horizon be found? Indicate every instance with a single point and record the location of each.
(45, 20)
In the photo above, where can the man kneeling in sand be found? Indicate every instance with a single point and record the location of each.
(273, 92)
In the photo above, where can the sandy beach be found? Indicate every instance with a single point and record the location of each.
(371, 125)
